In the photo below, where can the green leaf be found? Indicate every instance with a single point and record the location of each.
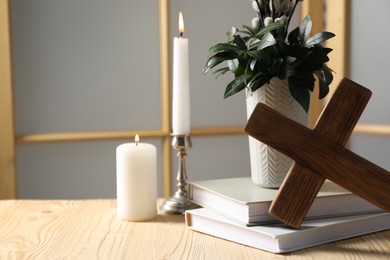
(233, 65)
(260, 60)
(257, 81)
(325, 77)
(252, 64)
(299, 93)
(212, 62)
(239, 42)
(293, 36)
(226, 55)
(256, 54)
(220, 53)
(319, 38)
(270, 28)
(221, 71)
(316, 56)
(267, 41)
(305, 28)
(327, 74)
(300, 85)
(223, 47)
(284, 70)
(250, 31)
(252, 44)
(235, 86)
(324, 89)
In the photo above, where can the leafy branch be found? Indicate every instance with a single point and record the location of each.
(257, 55)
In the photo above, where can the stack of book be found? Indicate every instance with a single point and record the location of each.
(237, 210)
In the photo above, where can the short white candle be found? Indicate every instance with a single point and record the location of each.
(181, 84)
(136, 173)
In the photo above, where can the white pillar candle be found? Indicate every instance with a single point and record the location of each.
(181, 84)
(136, 173)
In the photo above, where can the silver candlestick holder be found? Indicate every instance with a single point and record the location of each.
(179, 202)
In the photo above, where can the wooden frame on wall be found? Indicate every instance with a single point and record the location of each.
(316, 10)
(7, 144)
(337, 21)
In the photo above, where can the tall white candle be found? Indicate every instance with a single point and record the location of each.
(136, 173)
(181, 84)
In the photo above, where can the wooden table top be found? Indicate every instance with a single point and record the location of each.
(90, 229)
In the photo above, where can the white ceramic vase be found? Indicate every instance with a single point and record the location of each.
(268, 166)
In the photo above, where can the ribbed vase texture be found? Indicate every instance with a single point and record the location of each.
(268, 166)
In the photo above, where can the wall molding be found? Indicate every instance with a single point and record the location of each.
(7, 144)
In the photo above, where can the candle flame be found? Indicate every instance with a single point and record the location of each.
(181, 24)
(136, 139)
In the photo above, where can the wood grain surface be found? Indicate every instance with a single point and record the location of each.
(90, 229)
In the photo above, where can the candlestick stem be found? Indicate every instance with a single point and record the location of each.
(179, 202)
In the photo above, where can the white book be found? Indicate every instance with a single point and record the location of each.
(248, 204)
(279, 238)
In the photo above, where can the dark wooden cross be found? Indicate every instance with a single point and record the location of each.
(319, 154)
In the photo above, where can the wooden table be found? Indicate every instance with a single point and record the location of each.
(90, 229)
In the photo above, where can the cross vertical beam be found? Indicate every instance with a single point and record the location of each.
(320, 154)
(336, 122)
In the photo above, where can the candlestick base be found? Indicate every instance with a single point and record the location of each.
(179, 202)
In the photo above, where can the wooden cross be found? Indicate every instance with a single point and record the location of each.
(320, 154)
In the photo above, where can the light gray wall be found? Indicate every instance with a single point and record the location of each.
(93, 65)
(82, 65)
(85, 65)
(369, 67)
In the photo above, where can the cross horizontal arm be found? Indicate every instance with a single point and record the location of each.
(301, 185)
(319, 154)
